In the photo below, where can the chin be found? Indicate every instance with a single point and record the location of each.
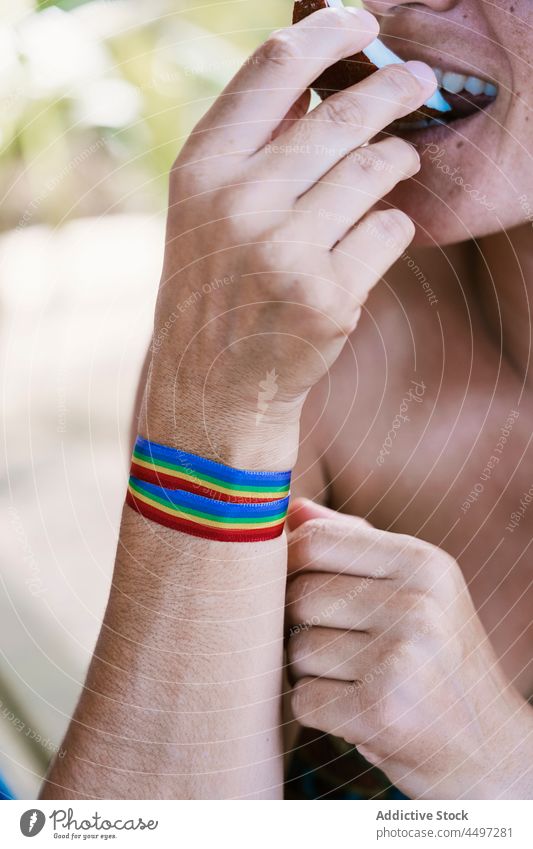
(453, 200)
(442, 218)
(457, 194)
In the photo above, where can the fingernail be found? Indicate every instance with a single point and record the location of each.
(418, 163)
(424, 73)
(368, 20)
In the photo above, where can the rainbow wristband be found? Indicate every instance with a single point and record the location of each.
(206, 499)
(175, 469)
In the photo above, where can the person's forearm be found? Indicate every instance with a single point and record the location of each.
(183, 694)
(182, 699)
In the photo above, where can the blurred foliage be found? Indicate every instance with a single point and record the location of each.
(96, 97)
(63, 4)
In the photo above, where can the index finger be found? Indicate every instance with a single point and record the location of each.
(353, 548)
(257, 99)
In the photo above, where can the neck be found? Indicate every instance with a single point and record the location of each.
(503, 277)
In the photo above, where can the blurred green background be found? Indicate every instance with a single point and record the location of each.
(118, 82)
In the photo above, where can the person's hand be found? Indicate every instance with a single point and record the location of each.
(386, 650)
(272, 246)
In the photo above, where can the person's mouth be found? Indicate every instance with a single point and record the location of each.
(467, 95)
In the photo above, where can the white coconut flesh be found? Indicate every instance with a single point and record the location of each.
(380, 55)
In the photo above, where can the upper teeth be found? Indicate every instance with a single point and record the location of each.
(454, 83)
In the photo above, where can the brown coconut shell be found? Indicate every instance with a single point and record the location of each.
(349, 71)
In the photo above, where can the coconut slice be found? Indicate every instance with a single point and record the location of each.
(355, 68)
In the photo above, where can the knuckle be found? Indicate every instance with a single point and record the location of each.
(429, 562)
(389, 160)
(419, 608)
(402, 85)
(238, 195)
(369, 159)
(266, 253)
(303, 541)
(348, 320)
(332, 17)
(318, 526)
(447, 563)
(190, 174)
(299, 588)
(392, 227)
(279, 49)
(415, 552)
(397, 648)
(415, 600)
(227, 210)
(344, 109)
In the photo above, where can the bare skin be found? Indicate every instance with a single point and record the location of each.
(468, 388)
(183, 695)
(440, 454)
(445, 475)
(422, 489)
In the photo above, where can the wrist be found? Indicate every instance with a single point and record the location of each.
(220, 428)
(242, 446)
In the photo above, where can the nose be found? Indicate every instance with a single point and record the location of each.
(389, 7)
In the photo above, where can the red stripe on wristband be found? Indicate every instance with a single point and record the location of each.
(194, 529)
(169, 482)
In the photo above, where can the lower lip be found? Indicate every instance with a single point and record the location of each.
(439, 133)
